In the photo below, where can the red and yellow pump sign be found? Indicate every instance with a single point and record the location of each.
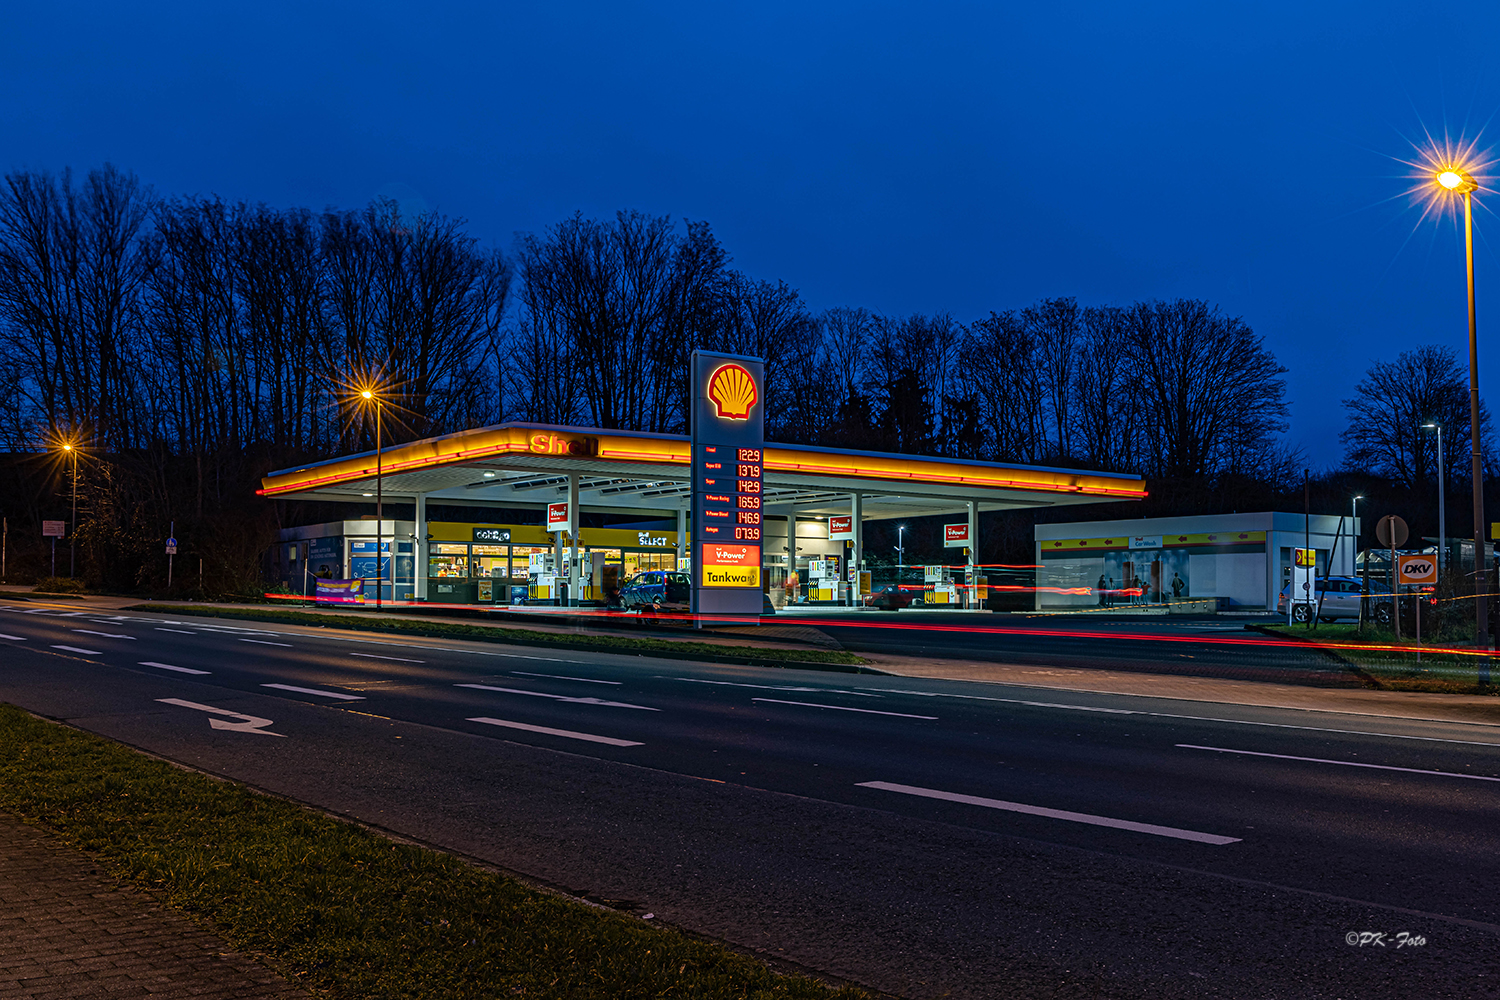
(1306, 557)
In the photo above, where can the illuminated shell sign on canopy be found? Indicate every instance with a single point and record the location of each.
(733, 392)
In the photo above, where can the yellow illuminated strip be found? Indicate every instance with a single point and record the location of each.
(919, 471)
(491, 443)
(1168, 541)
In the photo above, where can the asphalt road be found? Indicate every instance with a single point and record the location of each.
(925, 838)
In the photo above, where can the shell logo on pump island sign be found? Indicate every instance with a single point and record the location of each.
(733, 392)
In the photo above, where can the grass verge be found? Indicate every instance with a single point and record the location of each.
(527, 637)
(339, 908)
(1386, 666)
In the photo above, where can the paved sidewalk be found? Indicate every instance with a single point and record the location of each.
(68, 930)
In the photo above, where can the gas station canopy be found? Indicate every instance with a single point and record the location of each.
(522, 465)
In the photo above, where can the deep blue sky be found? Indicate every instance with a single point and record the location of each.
(903, 157)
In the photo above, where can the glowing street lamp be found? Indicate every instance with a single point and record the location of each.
(371, 396)
(71, 451)
(1455, 180)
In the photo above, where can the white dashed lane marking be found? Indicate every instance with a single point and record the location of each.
(75, 649)
(844, 708)
(565, 733)
(317, 691)
(1062, 814)
(168, 666)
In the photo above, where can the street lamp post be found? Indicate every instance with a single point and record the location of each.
(1459, 182)
(1442, 494)
(1364, 591)
(369, 395)
(900, 547)
(73, 523)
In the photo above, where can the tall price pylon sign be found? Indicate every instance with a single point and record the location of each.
(728, 429)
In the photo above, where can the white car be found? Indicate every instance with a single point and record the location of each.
(1340, 599)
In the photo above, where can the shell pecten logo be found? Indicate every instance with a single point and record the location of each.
(733, 391)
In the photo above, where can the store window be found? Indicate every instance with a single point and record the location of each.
(490, 561)
(520, 556)
(447, 561)
(641, 562)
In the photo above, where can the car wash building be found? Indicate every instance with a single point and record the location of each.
(779, 520)
(1240, 561)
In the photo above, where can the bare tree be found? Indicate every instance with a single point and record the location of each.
(1392, 402)
(1054, 326)
(999, 356)
(1212, 397)
(1106, 405)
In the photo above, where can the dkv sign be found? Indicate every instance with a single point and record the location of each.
(1418, 569)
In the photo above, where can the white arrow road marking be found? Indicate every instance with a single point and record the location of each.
(106, 635)
(250, 723)
(326, 694)
(568, 733)
(1343, 763)
(1072, 817)
(13, 638)
(75, 649)
(168, 666)
(560, 697)
(844, 708)
(262, 642)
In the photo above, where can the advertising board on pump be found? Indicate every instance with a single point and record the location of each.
(559, 517)
(841, 528)
(956, 536)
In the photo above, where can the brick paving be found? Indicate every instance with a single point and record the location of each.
(69, 930)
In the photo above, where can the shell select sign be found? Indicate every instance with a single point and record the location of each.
(733, 392)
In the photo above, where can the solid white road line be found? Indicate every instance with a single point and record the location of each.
(326, 694)
(177, 630)
(769, 687)
(75, 649)
(13, 638)
(1343, 763)
(398, 659)
(262, 642)
(561, 677)
(168, 666)
(105, 635)
(843, 708)
(1063, 814)
(560, 697)
(1202, 718)
(566, 733)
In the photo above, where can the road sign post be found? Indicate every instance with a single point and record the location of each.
(1391, 531)
(1415, 571)
(53, 530)
(171, 551)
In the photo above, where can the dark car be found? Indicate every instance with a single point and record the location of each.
(894, 597)
(657, 590)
